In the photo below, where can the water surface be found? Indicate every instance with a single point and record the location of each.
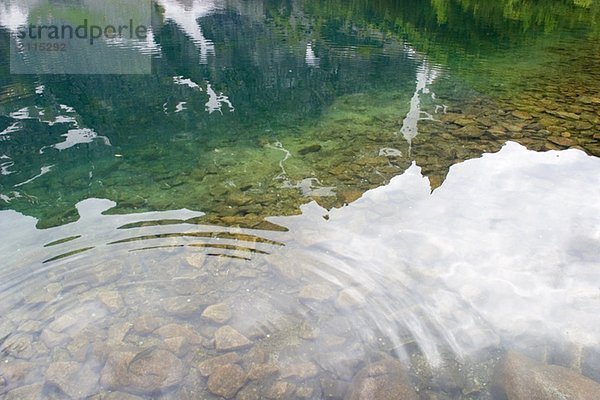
(336, 181)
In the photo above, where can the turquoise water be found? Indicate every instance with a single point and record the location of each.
(339, 182)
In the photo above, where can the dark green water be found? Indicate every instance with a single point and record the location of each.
(331, 180)
(337, 75)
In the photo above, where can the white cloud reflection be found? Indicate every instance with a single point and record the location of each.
(509, 245)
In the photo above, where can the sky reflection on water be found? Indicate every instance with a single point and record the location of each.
(509, 245)
(507, 248)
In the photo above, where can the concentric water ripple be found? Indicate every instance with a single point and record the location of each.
(143, 303)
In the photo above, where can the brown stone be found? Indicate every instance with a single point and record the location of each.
(227, 380)
(176, 330)
(588, 100)
(469, 131)
(146, 324)
(333, 388)
(307, 331)
(207, 367)
(513, 128)
(183, 306)
(280, 390)
(521, 378)
(145, 372)
(228, 339)
(256, 355)
(522, 115)
(304, 392)
(564, 115)
(562, 141)
(218, 313)
(63, 322)
(464, 121)
(20, 345)
(348, 196)
(116, 333)
(261, 371)
(583, 125)
(14, 373)
(76, 380)
(29, 392)
(302, 370)
(382, 380)
(249, 392)
(53, 339)
(177, 345)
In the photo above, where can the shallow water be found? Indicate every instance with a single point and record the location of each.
(304, 188)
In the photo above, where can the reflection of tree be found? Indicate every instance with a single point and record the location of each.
(545, 15)
(466, 24)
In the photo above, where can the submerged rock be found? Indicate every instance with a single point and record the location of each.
(349, 298)
(111, 299)
(20, 346)
(207, 367)
(227, 339)
(562, 141)
(313, 148)
(183, 306)
(176, 330)
(146, 372)
(382, 380)
(304, 392)
(13, 374)
(249, 392)
(469, 131)
(227, 380)
(218, 313)
(76, 380)
(146, 324)
(261, 371)
(522, 115)
(177, 345)
(333, 388)
(53, 339)
(316, 292)
(307, 331)
(301, 370)
(521, 378)
(280, 390)
(29, 392)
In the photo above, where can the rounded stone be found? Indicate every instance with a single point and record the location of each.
(227, 339)
(382, 380)
(146, 372)
(227, 380)
(520, 378)
(207, 367)
(218, 313)
(74, 379)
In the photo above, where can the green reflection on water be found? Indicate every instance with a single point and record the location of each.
(330, 82)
